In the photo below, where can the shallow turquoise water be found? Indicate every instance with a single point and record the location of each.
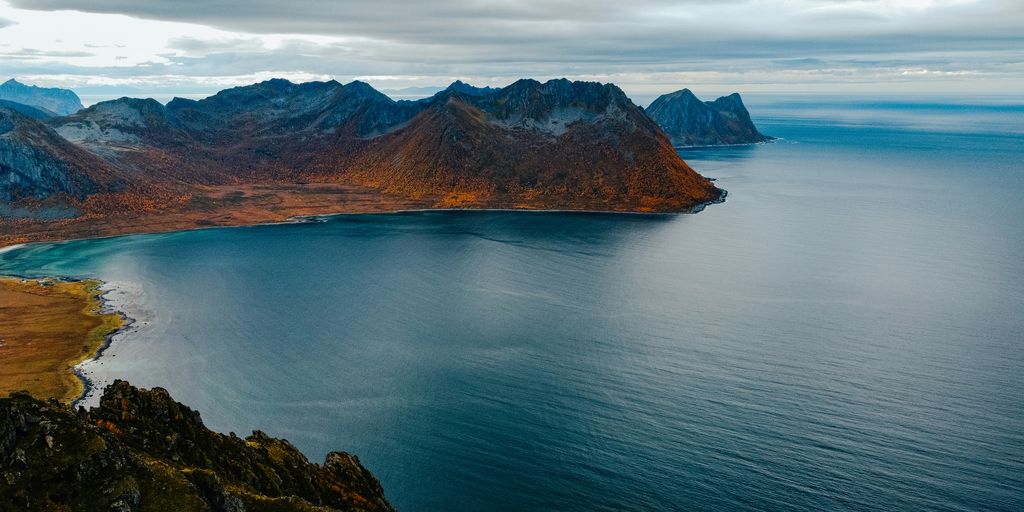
(846, 332)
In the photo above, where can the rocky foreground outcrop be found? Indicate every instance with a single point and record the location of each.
(688, 121)
(141, 451)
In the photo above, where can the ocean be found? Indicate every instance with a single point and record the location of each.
(844, 333)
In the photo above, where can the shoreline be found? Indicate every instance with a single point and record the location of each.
(319, 217)
(56, 325)
(107, 307)
(771, 140)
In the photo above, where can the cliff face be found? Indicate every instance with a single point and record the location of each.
(56, 101)
(37, 163)
(691, 122)
(140, 450)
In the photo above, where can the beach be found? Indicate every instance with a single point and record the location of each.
(48, 327)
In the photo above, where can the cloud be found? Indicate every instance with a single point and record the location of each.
(4, 22)
(646, 31)
(641, 44)
(31, 53)
(195, 45)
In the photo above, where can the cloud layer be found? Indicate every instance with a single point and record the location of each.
(647, 46)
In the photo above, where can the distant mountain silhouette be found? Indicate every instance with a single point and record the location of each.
(689, 121)
(59, 102)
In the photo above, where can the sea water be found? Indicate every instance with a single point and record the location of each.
(845, 333)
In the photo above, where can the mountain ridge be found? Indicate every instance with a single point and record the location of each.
(558, 144)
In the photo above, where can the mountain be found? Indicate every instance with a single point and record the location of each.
(261, 152)
(27, 110)
(36, 163)
(141, 450)
(559, 144)
(691, 122)
(60, 102)
(463, 87)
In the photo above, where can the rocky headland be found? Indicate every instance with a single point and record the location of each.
(688, 121)
(139, 450)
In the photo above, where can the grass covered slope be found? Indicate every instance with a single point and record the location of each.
(46, 328)
(132, 165)
(142, 451)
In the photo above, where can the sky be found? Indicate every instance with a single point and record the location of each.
(192, 48)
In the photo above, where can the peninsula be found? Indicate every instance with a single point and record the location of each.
(274, 150)
(47, 327)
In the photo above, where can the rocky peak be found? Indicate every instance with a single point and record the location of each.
(685, 96)
(273, 93)
(363, 89)
(127, 111)
(119, 122)
(732, 106)
(553, 106)
(690, 122)
(464, 88)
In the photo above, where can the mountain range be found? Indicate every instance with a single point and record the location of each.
(276, 149)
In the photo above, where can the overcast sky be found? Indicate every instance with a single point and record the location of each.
(162, 48)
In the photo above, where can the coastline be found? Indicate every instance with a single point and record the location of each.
(127, 322)
(771, 140)
(103, 295)
(320, 217)
(54, 325)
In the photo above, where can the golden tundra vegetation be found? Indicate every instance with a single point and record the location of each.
(275, 150)
(46, 328)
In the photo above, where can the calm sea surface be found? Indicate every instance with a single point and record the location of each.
(846, 332)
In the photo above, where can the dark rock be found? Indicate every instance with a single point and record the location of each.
(36, 162)
(19, 461)
(691, 122)
(140, 447)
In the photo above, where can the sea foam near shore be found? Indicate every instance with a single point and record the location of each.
(126, 298)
